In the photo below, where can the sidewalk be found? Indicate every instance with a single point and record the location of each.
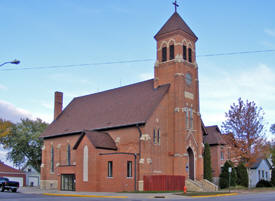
(36, 190)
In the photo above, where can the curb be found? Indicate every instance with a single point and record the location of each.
(217, 195)
(87, 196)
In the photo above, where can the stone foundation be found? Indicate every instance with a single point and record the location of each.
(49, 184)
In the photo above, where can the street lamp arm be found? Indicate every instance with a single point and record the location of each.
(4, 63)
(15, 61)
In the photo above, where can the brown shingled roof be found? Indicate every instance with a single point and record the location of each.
(128, 105)
(174, 23)
(8, 169)
(100, 140)
(214, 136)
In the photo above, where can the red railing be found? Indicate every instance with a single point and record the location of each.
(163, 183)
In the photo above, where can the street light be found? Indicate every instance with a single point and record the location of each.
(15, 61)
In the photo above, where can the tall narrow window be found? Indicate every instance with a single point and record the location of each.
(85, 163)
(172, 52)
(187, 118)
(129, 168)
(52, 159)
(164, 54)
(158, 139)
(222, 156)
(154, 136)
(184, 52)
(190, 55)
(68, 154)
(191, 118)
(110, 168)
(259, 174)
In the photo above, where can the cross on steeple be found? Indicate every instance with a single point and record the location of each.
(176, 5)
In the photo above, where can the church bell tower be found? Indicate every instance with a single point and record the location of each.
(176, 65)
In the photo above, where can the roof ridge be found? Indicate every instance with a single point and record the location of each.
(117, 88)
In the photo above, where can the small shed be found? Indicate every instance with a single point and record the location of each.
(12, 174)
(259, 170)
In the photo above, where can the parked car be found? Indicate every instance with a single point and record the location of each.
(6, 184)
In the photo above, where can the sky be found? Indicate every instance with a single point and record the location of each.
(80, 47)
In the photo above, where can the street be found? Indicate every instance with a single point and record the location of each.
(7, 196)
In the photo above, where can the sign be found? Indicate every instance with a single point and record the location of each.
(230, 169)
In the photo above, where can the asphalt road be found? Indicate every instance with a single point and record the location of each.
(7, 196)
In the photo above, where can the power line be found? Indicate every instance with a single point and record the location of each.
(236, 53)
(129, 61)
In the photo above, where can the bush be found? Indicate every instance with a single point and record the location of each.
(263, 183)
(207, 171)
(273, 177)
(224, 176)
(242, 176)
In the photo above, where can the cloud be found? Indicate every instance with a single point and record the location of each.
(2, 87)
(217, 93)
(270, 32)
(14, 114)
(3, 155)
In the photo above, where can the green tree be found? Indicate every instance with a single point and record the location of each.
(242, 176)
(245, 120)
(24, 143)
(224, 176)
(207, 172)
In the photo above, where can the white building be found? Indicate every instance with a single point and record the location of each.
(32, 176)
(259, 170)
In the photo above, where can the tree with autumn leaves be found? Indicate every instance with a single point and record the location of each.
(245, 121)
(5, 127)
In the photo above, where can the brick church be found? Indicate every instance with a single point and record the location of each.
(108, 141)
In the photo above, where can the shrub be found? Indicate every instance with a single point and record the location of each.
(207, 171)
(242, 176)
(273, 177)
(224, 176)
(263, 183)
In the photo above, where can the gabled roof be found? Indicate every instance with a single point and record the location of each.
(214, 136)
(100, 140)
(258, 161)
(175, 23)
(8, 169)
(124, 106)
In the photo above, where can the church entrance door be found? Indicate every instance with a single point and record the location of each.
(191, 163)
(67, 182)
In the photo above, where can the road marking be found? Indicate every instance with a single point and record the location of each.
(217, 195)
(88, 196)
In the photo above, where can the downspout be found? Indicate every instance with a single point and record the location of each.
(139, 149)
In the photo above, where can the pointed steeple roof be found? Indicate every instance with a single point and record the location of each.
(175, 23)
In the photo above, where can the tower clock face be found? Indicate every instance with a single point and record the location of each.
(188, 79)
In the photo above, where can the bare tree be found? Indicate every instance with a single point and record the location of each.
(272, 128)
(245, 121)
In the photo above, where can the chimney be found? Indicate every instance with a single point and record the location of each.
(58, 102)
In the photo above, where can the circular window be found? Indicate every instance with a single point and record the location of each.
(188, 79)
